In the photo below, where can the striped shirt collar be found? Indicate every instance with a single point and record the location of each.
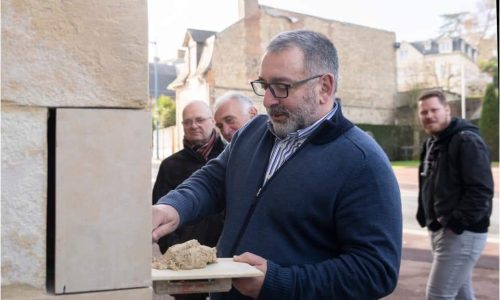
(284, 148)
(304, 132)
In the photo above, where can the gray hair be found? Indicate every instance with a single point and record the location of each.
(320, 55)
(245, 102)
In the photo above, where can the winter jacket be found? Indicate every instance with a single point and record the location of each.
(456, 183)
(328, 221)
(172, 172)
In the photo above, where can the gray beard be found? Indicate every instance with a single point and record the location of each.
(292, 124)
(298, 119)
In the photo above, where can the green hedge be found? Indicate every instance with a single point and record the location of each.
(396, 141)
(488, 124)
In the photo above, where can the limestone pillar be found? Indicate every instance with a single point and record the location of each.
(76, 150)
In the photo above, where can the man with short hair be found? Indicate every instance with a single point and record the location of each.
(310, 199)
(232, 111)
(455, 197)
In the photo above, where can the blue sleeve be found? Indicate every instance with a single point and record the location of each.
(202, 193)
(369, 222)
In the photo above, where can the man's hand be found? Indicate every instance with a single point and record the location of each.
(165, 220)
(250, 286)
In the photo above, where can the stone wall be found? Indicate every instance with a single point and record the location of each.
(24, 191)
(74, 54)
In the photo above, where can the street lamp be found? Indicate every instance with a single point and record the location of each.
(462, 86)
(157, 126)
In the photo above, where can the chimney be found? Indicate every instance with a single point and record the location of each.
(247, 8)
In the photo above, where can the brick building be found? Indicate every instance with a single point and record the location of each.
(228, 60)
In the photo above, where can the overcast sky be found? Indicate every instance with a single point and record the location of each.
(410, 20)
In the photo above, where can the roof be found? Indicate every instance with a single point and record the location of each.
(421, 47)
(166, 74)
(200, 35)
(431, 46)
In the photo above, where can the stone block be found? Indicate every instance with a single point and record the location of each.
(102, 199)
(22, 292)
(89, 53)
(24, 194)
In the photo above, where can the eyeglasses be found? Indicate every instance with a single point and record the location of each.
(279, 90)
(196, 121)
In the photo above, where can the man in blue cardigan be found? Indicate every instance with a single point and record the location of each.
(310, 199)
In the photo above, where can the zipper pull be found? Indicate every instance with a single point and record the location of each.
(258, 192)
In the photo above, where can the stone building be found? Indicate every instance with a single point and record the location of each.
(230, 59)
(76, 150)
(440, 63)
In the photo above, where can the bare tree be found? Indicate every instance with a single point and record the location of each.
(453, 24)
(477, 27)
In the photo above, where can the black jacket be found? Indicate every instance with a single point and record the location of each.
(172, 172)
(455, 180)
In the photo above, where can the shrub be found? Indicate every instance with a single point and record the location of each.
(488, 124)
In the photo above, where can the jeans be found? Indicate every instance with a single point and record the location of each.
(454, 257)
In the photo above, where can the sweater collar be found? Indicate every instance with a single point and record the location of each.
(331, 128)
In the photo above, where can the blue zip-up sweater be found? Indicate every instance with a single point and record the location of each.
(328, 221)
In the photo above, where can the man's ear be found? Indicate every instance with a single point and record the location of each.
(328, 86)
(253, 111)
(447, 108)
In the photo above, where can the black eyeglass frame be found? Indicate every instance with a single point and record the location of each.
(285, 86)
(197, 121)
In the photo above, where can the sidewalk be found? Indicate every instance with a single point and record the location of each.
(417, 257)
(416, 264)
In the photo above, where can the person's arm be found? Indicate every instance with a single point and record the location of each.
(369, 222)
(161, 186)
(477, 180)
(198, 196)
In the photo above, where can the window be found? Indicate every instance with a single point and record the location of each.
(192, 58)
(427, 45)
(403, 54)
(445, 46)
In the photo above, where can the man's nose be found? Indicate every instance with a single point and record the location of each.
(226, 130)
(269, 99)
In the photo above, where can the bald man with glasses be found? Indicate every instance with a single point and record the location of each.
(201, 143)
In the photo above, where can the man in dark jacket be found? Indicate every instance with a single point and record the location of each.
(455, 197)
(201, 143)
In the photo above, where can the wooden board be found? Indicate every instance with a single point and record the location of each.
(192, 286)
(223, 268)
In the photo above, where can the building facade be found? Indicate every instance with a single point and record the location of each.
(446, 63)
